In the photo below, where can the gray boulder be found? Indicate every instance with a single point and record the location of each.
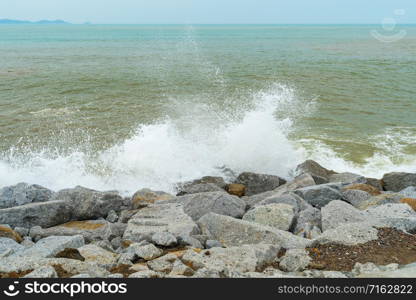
(259, 183)
(23, 193)
(356, 198)
(233, 232)
(165, 239)
(246, 258)
(218, 181)
(409, 192)
(397, 181)
(200, 188)
(378, 200)
(295, 260)
(337, 213)
(144, 197)
(279, 216)
(347, 178)
(319, 173)
(43, 272)
(9, 246)
(160, 218)
(292, 199)
(45, 214)
(309, 223)
(197, 205)
(319, 195)
(89, 204)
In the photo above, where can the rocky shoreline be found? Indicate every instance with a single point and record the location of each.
(319, 224)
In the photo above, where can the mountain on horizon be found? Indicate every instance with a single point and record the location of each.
(9, 21)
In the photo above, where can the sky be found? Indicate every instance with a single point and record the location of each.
(212, 11)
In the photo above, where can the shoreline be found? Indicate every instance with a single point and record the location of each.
(319, 224)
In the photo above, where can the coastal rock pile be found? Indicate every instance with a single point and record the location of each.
(318, 224)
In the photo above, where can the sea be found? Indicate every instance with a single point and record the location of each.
(123, 107)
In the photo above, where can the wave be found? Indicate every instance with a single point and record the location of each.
(201, 141)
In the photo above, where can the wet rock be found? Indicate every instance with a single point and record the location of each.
(246, 258)
(45, 214)
(200, 188)
(197, 205)
(236, 189)
(259, 183)
(280, 216)
(23, 193)
(144, 197)
(160, 218)
(7, 232)
(397, 181)
(87, 204)
(233, 232)
(165, 239)
(347, 178)
(319, 195)
(315, 170)
(337, 213)
(43, 272)
(295, 260)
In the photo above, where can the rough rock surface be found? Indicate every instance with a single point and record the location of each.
(144, 197)
(337, 213)
(319, 195)
(233, 232)
(295, 260)
(259, 183)
(397, 181)
(23, 193)
(279, 216)
(160, 218)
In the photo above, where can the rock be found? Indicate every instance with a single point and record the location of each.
(112, 216)
(7, 232)
(397, 181)
(197, 205)
(233, 232)
(236, 189)
(186, 240)
(27, 242)
(213, 244)
(291, 199)
(395, 215)
(144, 197)
(116, 242)
(246, 258)
(45, 214)
(337, 213)
(22, 231)
(206, 273)
(9, 245)
(89, 204)
(147, 252)
(126, 215)
(295, 260)
(97, 254)
(139, 267)
(409, 192)
(115, 275)
(218, 181)
(91, 230)
(363, 187)
(324, 274)
(379, 200)
(299, 182)
(259, 183)
(42, 272)
(407, 271)
(50, 246)
(70, 253)
(319, 195)
(163, 264)
(348, 234)
(376, 183)
(82, 276)
(69, 267)
(346, 178)
(160, 218)
(409, 201)
(319, 173)
(308, 223)
(200, 188)
(181, 269)
(165, 239)
(104, 244)
(23, 193)
(280, 216)
(356, 198)
(146, 274)
(364, 268)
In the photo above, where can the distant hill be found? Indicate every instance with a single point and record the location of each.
(8, 21)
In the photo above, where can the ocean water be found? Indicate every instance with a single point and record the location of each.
(131, 106)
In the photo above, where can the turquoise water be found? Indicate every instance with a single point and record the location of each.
(125, 106)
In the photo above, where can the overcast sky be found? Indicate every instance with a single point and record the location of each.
(211, 11)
